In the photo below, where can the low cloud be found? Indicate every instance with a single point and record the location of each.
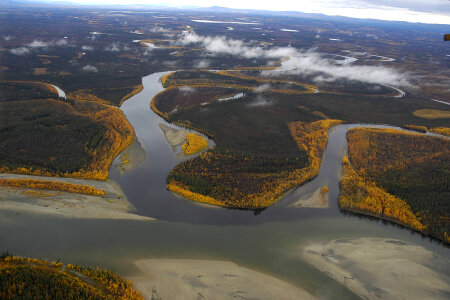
(202, 64)
(159, 29)
(114, 47)
(20, 51)
(87, 48)
(43, 44)
(8, 37)
(300, 62)
(260, 102)
(38, 44)
(61, 42)
(186, 90)
(262, 88)
(90, 69)
(117, 47)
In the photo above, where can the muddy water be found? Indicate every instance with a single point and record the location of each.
(268, 240)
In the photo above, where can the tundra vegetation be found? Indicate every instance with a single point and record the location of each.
(399, 176)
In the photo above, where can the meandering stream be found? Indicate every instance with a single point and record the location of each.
(268, 240)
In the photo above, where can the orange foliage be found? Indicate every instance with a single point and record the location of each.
(119, 135)
(137, 90)
(441, 130)
(45, 85)
(194, 143)
(85, 95)
(324, 190)
(416, 128)
(363, 196)
(179, 188)
(312, 137)
(165, 77)
(168, 82)
(31, 278)
(52, 185)
(362, 148)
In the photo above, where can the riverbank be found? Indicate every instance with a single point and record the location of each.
(113, 205)
(377, 268)
(209, 279)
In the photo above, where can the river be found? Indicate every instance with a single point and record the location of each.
(268, 240)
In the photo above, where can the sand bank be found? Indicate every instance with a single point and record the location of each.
(209, 279)
(132, 157)
(114, 205)
(317, 200)
(377, 268)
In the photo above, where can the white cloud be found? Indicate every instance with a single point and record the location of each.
(260, 102)
(425, 11)
(114, 47)
(202, 64)
(89, 68)
(8, 37)
(20, 51)
(87, 48)
(186, 90)
(262, 88)
(304, 62)
(61, 42)
(38, 44)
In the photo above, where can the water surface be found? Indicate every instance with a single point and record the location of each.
(269, 240)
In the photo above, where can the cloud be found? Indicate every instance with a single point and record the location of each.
(87, 48)
(42, 44)
(89, 68)
(159, 29)
(262, 88)
(38, 44)
(312, 63)
(300, 62)
(186, 90)
(114, 47)
(20, 51)
(8, 37)
(202, 64)
(61, 42)
(260, 102)
(221, 45)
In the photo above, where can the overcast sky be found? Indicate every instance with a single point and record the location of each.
(424, 11)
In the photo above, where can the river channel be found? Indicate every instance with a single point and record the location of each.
(267, 240)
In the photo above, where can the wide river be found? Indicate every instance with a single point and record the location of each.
(268, 240)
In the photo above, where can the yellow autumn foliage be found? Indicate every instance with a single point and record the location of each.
(312, 137)
(194, 143)
(31, 278)
(137, 90)
(119, 135)
(52, 185)
(416, 128)
(360, 195)
(441, 130)
(179, 188)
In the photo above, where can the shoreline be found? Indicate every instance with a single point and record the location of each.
(381, 268)
(113, 205)
(209, 279)
(392, 221)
